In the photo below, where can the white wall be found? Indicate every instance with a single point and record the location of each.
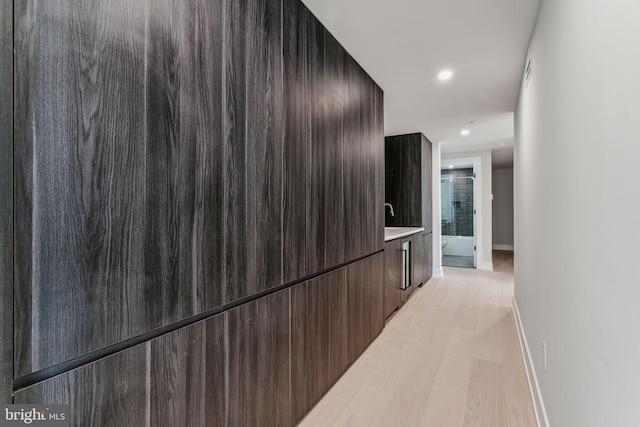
(503, 209)
(577, 204)
(483, 177)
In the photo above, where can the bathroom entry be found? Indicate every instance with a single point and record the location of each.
(458, 216)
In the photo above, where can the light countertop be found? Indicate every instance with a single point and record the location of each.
(392, 233)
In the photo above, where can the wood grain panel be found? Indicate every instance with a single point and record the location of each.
(110, 392)
(417, 259)
(297, 137)
(183, 243)
(80, 127)
(300, 390)
(393, 180)
(176, 379)
(368, 178)
(359, 178)
(359, 309)
(316, 223)
(408, 181)
(187, 376)
(412, 212)
(428, 256)
(172, 157)
(338, 324)
(310, 361)
(334, 95)
(427, 186)
(378, 155)
(392, 275)
(253, 146)
(375, 287)
(319, 339)
(6, 201)
(258, 336)
(351, 152)
(118, 171)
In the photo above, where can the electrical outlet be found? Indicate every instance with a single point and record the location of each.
(544, 355)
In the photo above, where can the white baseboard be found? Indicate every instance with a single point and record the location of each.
(437, 272)
(503, 247)
(534, 388)
(484, 266)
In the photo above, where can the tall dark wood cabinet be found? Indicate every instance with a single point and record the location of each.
(408, 187)
(120, 165)
(408, 181)
(180, 170)
(253, 144)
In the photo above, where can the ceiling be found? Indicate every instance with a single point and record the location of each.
(404, 44)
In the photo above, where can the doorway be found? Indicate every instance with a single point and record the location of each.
(458, 215)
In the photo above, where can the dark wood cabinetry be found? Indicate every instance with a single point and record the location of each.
(297, 43)
(393, 266)
(422, 258)
(428, 257)
(6, 202)
(266, 362)
(173, 158)
(334, 319)
(334, 159)
(320, 338)
(417, 260)
(366, 317)
(186, 369)
(408, 181)
(252, 147)
(119, 167)
(259, 358)
(172, 380)
(176, 161)
(421, 265)
(408, 187)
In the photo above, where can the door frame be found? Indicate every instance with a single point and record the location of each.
(477, 201)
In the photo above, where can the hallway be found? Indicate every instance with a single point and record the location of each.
(450, 357)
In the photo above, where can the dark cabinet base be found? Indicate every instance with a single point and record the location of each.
(177, 377)
(265, 362)
(421, 266)
(392, 276)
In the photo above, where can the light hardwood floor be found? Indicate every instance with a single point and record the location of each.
(449, 357)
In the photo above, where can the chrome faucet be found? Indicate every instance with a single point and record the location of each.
(390, 207)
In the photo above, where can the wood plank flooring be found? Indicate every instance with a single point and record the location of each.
(450, 357)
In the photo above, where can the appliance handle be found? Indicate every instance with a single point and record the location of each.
(405, 269)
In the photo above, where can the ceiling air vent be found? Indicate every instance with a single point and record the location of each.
(527, 73)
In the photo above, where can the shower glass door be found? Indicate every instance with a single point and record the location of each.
(458, 217)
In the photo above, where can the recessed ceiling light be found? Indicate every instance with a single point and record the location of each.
(465, 132)
(445, 74)
(450, 166)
